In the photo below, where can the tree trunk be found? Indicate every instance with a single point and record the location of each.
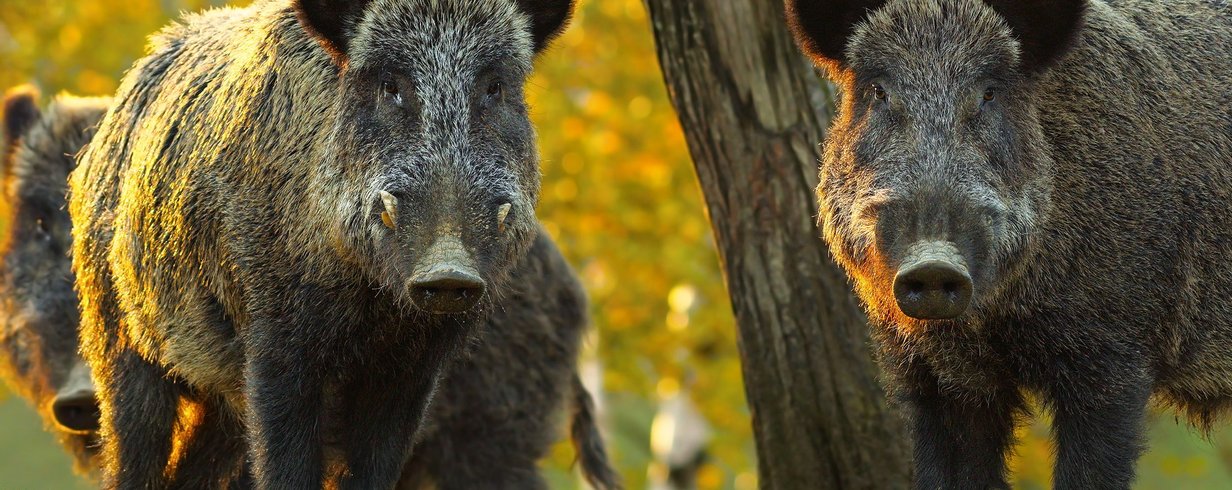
(748, 102)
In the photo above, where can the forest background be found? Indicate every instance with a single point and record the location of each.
(621, 199)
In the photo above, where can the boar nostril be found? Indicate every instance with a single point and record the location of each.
(933, 283)
(447, 290)
(914, 288)
(76, 412)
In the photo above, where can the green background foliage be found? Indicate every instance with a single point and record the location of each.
(620, 197)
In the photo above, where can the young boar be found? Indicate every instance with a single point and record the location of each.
(1033, 196)
(38, 307)
(295, 215)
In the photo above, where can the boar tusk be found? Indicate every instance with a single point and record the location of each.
(501, 214)
(390, 215)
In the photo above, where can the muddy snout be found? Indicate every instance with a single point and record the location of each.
(75, 407)
(448, 282)
(933, 282)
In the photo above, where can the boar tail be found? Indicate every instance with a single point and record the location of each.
(588, 443)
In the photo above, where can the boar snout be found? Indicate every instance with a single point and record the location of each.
(76, 412)
(933, 282)
(75, 406)
(449, 282)
(447, 290)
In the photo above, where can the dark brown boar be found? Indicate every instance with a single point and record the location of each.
(38, 307)
(1033, 197)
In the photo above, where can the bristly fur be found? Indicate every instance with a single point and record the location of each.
(1045, 29)
(229, 248)
(1076, 153)
(38, 308)
(334, 22)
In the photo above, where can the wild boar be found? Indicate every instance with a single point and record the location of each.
(295, 215)
(1033, 197)
(38, 307)
(490, 425)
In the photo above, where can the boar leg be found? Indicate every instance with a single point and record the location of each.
(483, 462)
(960, 441)
(1099, 432)
(385, 407)
(213, 455)
(284, 393)
(485, 440)
(138, 415)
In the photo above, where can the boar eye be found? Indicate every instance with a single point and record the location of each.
(389, 88)
(496, 91)
(390, 91)
(40, 230)
(989, 95)
(879, 92)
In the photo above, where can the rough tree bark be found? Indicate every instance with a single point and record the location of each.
(744, 95)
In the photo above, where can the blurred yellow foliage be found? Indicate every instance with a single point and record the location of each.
(623, 202)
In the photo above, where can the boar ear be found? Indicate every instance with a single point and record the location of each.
(821, 27)
(20, 112)
(548, 19)
(1046, 29)
(331, 22)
